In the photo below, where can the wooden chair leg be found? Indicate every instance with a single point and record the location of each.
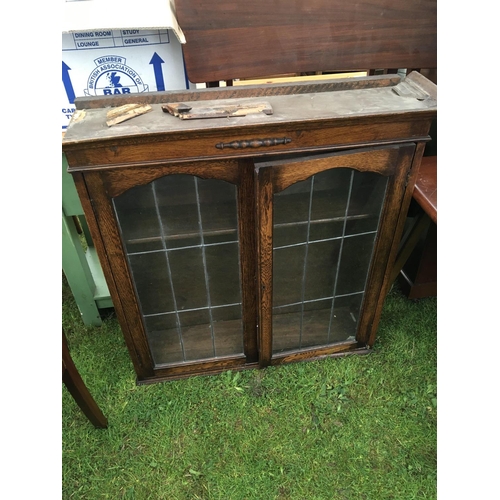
(77, 388)
(409, 241)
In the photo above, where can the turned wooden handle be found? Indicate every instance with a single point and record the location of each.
(253, 143)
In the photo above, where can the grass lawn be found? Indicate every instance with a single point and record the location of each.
(359, 427)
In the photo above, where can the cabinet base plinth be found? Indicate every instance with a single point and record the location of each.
(278, 361)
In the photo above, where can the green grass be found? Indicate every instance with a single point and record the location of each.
(360, 427)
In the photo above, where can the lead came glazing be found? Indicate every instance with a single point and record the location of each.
(181, 239)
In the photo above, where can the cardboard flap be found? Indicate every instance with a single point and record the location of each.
(83, 15)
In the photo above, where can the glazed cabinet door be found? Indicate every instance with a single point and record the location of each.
(326, 226)
(179, 255)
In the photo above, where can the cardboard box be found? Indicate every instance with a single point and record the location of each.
(109, 51)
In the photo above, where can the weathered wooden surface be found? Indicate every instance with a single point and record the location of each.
(299, 108)
(225, 109)
(125, 112)
(228, 39)
(299, 123)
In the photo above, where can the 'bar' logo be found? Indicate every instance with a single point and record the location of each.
(112, 76)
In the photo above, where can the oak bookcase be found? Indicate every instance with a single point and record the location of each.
(256, 240)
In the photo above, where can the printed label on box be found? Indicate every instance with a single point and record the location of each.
(112, 62)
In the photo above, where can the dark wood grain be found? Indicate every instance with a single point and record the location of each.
(288, 172)
(239, 39)
(248, 263)
(318, 352)
(381, 262)
(313, 137)
(196, 369)
(264, 201)
(412, 174)
(119, 180)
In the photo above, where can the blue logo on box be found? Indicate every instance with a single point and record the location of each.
(112, 76)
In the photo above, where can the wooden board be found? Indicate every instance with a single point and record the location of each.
(228, 39)
(229, 109)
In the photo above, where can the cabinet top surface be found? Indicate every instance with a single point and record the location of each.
(413, 95)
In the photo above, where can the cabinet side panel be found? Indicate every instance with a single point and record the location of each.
(90, 191)
(381, 263)
(410, 165)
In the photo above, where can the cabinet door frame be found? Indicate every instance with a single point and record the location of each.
(99, 188)
(395, 163)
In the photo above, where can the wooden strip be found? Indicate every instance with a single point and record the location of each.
(296, 78)
(223, 110)
(248, 262)
(314, 353)
(190, 369)
(334, 85)
(125, 112)
(265, 258)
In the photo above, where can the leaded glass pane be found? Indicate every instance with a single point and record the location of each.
(180, 235)
(323, 240)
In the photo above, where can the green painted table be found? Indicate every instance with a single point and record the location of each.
(79, 259)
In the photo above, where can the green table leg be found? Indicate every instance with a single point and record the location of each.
(78, 274)
(81, 266)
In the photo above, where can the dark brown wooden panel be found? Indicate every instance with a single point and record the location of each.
(229, 39)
